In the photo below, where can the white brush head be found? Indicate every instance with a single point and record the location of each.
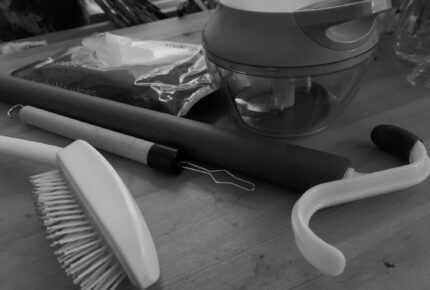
(94, 223)
(78, 247)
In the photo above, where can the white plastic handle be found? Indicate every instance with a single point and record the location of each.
(29, 150)
(319, 253)
(108, 140)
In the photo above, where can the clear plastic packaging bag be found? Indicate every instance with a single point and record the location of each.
(165, 76)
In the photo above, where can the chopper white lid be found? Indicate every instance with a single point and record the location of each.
(298, 39)
(270, 6)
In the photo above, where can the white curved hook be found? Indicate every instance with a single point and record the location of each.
(319, 253)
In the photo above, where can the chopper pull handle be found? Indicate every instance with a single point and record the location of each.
(341, 26)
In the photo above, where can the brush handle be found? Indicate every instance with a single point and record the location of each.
(293, 166)
(154, 155)
(30, 150)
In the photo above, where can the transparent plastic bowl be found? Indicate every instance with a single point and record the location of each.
(287, 106)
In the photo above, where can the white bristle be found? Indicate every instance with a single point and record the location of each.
(66, 225)
(68, 259)
(78, 248)
(56, 213)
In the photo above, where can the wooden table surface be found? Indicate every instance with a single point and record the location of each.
(212, 236)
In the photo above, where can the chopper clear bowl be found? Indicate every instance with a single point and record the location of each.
(287, 106)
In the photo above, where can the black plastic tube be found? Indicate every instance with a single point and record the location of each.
(292, 166)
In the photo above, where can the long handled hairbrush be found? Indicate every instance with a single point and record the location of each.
(354, 186)
(93, 223)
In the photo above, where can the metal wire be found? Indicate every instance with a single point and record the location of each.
(211, 172)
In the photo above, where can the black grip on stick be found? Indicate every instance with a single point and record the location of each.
(165, 158)
(289, 165)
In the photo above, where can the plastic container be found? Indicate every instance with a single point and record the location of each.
(289, 68)
(288, 106)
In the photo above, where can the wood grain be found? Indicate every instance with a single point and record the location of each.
(212, 236)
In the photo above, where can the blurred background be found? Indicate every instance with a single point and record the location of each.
(26, 18)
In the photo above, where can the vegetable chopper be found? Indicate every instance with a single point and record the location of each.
(290, 67)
